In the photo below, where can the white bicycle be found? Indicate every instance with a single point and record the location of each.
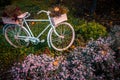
(60, 36)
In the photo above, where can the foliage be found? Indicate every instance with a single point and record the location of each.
(32, 67)
(76, 22)
(95, 61)
(92, 30)
(86, 30)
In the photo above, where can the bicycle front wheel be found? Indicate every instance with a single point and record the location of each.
(68, 35)
(12, 32)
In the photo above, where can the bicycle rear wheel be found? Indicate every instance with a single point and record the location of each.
(62, 43)
(12, 32)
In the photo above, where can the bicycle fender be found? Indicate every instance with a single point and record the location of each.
(48, 38)
(6, 25)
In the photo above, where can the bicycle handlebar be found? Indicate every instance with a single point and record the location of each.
(48, 12)
(27, 14)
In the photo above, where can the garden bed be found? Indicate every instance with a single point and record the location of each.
(95, 61)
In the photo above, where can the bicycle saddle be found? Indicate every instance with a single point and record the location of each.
(24, 15)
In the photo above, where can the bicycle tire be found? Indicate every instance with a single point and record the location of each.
(11, 31)
(63, 29)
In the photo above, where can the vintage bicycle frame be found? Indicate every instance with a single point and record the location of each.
(32, 37)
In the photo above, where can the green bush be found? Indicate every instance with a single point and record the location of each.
(92, 30)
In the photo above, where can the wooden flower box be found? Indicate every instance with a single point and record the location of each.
(59, 19)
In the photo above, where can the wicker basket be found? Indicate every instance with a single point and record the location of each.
(59, 19)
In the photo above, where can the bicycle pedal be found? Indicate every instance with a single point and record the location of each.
(42, 41)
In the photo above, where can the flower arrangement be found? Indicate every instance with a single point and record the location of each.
(12, 11)
(58, 10)
(58, 14)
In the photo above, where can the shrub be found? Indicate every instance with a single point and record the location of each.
(92, 30)
(34, 67)
(100, 57)
(95, 61)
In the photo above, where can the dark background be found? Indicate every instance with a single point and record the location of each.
(98, 9)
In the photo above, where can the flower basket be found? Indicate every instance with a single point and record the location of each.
(7, 20)
(58, 19)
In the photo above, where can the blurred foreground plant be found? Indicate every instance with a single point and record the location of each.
(94, 61)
